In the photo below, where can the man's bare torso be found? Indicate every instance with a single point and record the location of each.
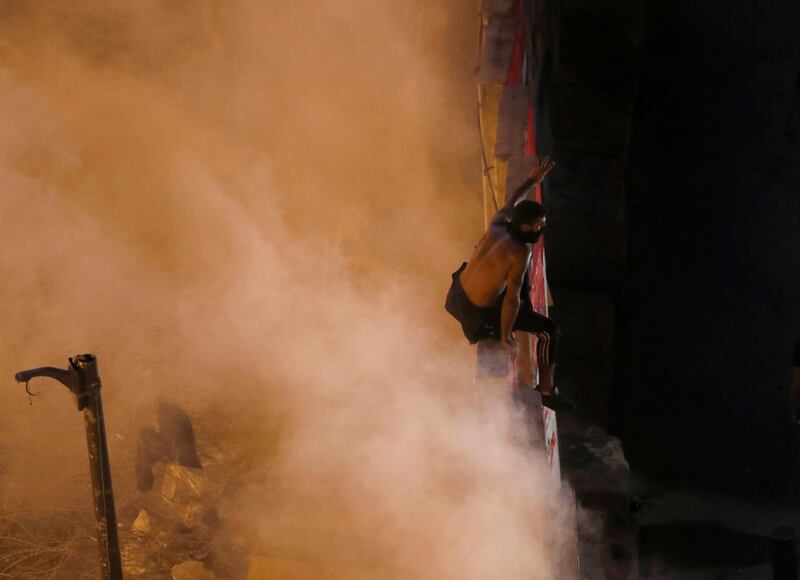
(487, 271)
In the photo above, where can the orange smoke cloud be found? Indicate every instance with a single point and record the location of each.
(253, 209)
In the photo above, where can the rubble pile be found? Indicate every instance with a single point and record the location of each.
(172, 529)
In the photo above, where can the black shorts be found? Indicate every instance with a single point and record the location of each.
(484, 322)
(477, 322)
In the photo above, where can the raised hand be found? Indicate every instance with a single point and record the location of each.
(539, 172)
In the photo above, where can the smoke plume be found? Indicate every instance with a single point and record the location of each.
(252, 209)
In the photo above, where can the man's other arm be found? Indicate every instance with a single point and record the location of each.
(511, 302)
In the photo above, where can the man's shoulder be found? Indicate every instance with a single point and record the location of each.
(503, 244)
(518, 249)
(501, 234)
(497, 230)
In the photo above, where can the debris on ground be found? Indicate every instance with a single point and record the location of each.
(192, 570)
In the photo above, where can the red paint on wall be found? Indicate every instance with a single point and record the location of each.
(518, 52)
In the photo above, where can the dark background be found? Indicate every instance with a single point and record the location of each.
(678, 254)
(711, 303)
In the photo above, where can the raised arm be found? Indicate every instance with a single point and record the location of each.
(536, 175)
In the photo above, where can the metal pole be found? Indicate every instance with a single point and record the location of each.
(83, 379)
(99, 465)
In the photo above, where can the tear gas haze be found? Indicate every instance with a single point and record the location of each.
(252, 209)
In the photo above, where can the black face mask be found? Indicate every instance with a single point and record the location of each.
(524, 237)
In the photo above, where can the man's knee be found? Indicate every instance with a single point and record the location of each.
(551, 333)
(552, 328)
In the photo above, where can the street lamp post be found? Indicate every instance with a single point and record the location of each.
(83, 380)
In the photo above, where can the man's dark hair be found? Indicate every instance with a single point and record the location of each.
(526, 212)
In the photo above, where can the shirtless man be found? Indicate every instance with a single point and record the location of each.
(485, 294)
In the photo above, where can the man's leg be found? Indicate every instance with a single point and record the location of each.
(523, 366)
(547, 344)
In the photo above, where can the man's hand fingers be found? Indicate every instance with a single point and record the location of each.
(545, 165)
(512, 346)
